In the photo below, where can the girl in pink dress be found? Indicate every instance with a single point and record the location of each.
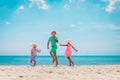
(68, 52)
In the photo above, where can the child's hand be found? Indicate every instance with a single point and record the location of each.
(31, 52)
(39, 51)
(76, 50)
(60, 44)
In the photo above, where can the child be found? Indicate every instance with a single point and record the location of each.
(68, 52)
(34, 53)
(53, 39)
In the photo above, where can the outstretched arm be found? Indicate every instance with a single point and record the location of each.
(74, 48)
(39, 51)
(48, 45)
(63, 44)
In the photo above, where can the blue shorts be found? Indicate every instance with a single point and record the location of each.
(33, 57)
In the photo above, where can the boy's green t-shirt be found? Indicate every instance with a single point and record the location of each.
(53, 41)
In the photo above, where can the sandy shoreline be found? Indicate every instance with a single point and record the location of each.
(98, 72)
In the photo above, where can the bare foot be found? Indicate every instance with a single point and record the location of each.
(56, 65)
(69, 65)
(73, 64)
(53, 62)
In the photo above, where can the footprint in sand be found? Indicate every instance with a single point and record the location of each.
(118, 71)
(21, 76)
(3, 70)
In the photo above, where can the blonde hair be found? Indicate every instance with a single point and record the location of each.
(34, 45)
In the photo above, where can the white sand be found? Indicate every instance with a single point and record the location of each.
(101, 72)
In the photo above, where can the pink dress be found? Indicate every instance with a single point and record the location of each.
(68, 51)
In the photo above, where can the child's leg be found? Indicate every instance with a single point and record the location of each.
(34, 62)
(69, 61)
(56, 60)
(52, 57)
(72, 62)
(30, 60)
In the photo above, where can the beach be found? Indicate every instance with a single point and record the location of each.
(83, 72)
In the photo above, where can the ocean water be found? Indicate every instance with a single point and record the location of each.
(46, 60)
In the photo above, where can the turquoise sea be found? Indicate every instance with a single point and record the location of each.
(46, 60)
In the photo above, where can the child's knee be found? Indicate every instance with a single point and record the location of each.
(68, 58)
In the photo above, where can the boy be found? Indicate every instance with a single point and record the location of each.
(53, 40)
(34, 53)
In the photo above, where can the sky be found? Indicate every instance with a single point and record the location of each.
(93, 26)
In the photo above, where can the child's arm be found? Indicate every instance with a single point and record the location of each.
(63, 44)
(48, 44)
(56, 39)
(31, 52)
(39, 51)
(74, 48)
